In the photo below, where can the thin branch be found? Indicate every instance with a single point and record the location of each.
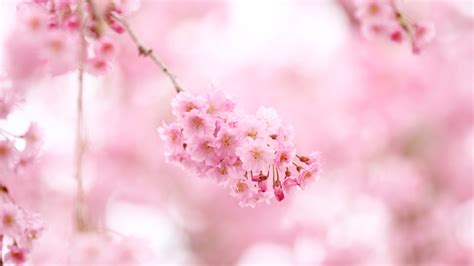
(80, 136)
(148, 53)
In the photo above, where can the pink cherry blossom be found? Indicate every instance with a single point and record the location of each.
(172, 134)
(197, 124)
(384, 18)
(243, 152)
(423, 34)
(16, 255)
(309, 172)
(184, 103)
(374, 9)
(98, 65)
(255, 156)
(202, 149)
(10, 222)
(8, 154)
(105, 47)
(251, 127)
(227, 140)
(219, 104)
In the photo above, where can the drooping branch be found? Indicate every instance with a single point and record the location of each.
(148, 53)
(80, 134)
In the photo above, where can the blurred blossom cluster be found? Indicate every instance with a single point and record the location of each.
(49, 35)
(384, 18)
(18, 227)
(382, 89)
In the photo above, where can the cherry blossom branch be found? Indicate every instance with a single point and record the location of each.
(148, 53)
(80, 136)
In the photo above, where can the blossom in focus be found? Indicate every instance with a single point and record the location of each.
(248, 154)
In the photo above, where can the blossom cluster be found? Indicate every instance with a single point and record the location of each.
(16, 151)
(383, 18)
(252, 155)
(17, 226)
(55, 30)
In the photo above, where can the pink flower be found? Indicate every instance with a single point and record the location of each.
(290, 183)
(309, 172)
(10, 224)
(255, 156)
(284, 136)
(269, 118)
(397, 35)
(384, 19)
(116, 26)
(219, 104)
(197, 124)
(34, 18)
(251, 128)
(180, 157)
(241, 152)
(32, 137)
(34, 227)
(172, 135)
(185, 102)
(202, 149)
(227, 140)
(284, 158)
(247, 192)
(278, 190)
(98, 65)
(221, 172)
(60, 49)
(16, 255)
(105, 48)
(423, 34)
(73, 23)
(262, 185)
(8, 154)
(374, 9)
(372, 29)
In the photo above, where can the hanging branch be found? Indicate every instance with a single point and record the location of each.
(80, 136)
(148, 53)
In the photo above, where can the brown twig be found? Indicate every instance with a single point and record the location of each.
(148, 53)
(80, 136)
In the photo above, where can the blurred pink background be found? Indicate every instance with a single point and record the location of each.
(395, 130)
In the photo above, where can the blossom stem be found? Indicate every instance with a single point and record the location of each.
(80, 136)
(149, 53)
(403, 20)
